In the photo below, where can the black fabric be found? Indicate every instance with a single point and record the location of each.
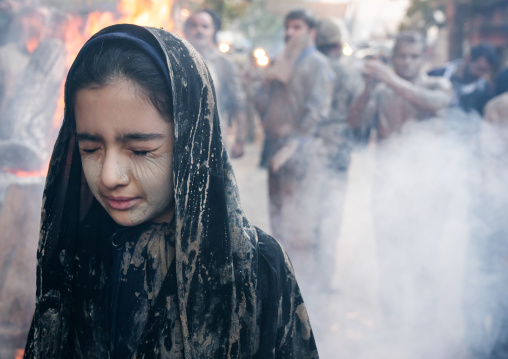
(502, 82)
(129, 292)
(467, 100)
(233, 287)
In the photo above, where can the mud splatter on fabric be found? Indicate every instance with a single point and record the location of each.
(228, 291)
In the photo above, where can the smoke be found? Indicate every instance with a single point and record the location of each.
(422, 257)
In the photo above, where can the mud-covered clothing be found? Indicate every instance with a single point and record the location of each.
(469, 96)
(142, 257)
(335, 131)
(228, 291)
(293, 111)
(301, 104)
(228, 86)
(387, 111)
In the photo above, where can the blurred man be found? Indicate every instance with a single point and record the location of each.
(201, 30)
(25, 30)
(403, 94)
(336, 142)
(486, 273)
(468, 77)
(407, 230)
(296, 100)
(347, 87)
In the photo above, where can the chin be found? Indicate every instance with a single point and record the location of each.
(124, 219)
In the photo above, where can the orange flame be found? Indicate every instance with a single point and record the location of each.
(155, 13)
(19, 354)
(29, 174)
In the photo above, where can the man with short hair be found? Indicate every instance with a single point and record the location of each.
(468, 77)
(337, 145)
(402, 94)
(347, 87)
(296, 99)
(201, 31)
(405, 247)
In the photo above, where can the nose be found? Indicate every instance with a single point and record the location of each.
(115, 171)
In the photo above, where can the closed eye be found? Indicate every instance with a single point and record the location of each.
(89, 150)
(141, 153)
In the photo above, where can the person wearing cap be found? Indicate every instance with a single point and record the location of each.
(348, 80)
(201, 30)
(295, 100)
(336, 142)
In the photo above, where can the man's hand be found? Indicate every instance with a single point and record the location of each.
(380, 71)
(283, 155)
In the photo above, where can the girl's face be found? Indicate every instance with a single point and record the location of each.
(126, 150)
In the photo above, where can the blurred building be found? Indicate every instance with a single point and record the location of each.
(490, 24)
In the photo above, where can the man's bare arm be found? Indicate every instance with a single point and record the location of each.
(431, 100)
(360, 113)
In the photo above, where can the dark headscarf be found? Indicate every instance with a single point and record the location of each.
(237, 296)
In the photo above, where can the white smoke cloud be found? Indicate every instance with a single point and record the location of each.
(422, 257)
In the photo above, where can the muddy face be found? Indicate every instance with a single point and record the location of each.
(295, 27)
(200, 30)
(126, 150)
(408, 60)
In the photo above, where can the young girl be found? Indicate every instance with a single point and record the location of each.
(144, 250)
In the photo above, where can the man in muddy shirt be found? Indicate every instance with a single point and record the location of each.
(296, 98)
(402, 94)
(335, 144)
(407, 231)
(348, 86)
(201, 30)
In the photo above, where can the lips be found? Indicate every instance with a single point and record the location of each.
(121, 202)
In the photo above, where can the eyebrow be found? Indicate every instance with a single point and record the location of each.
(88, 137)
(135, 136)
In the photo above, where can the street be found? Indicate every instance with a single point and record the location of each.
(347, 320)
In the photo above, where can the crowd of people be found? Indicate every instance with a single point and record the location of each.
(316, 107)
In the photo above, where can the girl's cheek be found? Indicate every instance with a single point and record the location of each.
(92, 170)
(151, 171)
(155, 177)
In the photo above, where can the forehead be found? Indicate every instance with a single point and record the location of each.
(117, 106)
(408, 48)
(295, 23)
